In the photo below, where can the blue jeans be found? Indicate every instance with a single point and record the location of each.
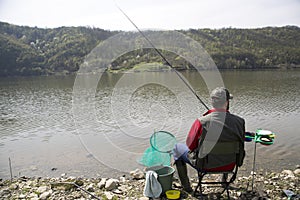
(180, 152)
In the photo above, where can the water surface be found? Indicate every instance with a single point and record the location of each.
(39, 130)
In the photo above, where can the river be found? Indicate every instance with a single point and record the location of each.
(46, 131)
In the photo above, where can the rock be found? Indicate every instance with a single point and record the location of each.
(79, 182)
(108, 195)
(101, 184)
(4, 192)
(90, 188)
(42, 189)
(297, 171)
(123, 188)
(129, 189)
(122, 179)
(32, 195)
(45, 195)
(111, 184)
(22, 196)
(117, 191)
(13, 187)
(137, 174)
(77, 195)
(62, 186)
(287, 172)
(177, 185)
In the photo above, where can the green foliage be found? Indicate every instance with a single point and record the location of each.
(35, 51)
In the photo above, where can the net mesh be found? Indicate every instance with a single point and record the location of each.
(162, 143)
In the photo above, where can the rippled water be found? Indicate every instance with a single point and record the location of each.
(44, 125)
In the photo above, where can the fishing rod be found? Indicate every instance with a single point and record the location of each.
(164, 58)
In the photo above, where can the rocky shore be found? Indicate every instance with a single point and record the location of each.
(266, 186)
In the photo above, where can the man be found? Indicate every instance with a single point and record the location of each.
(214, 124)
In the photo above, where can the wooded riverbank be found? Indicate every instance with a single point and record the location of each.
(27, 51)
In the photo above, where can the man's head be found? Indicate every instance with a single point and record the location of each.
(220, 98)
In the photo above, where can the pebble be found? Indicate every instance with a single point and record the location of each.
(42, 189)
(108, 195)
(297, 171)
(111, 184)
(90, 188)
(122, 179)
(45, 195)
(101, 184)
(137, 174)
(22, 196)
(267, 186)
(288, 172)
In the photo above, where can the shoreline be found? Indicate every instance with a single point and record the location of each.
(267, 185)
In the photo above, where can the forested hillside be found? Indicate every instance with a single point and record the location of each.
(36, 51)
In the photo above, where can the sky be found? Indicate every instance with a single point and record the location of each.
(151, 14)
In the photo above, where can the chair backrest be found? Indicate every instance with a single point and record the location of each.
(221, 154)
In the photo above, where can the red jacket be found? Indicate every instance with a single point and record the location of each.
(194, 135)
(196, 131)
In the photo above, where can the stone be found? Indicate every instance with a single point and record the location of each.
(79, 182)
(137, 174)
(22, 196)
(117, 191)
(177, 185)
(297, 171)
(13, 186)
(77, 195)
(123, 188)
(287, 172)
(122, 179)
(111, 184)
(42, 189)
(90, 188)
(101, 184)
(108, 195)
(45, 195)
(32, 195)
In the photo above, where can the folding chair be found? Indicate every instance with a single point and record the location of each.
(222, 154)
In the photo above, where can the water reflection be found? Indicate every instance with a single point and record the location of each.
(37, 127)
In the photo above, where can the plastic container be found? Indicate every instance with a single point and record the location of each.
(165, 176)
(173, 194)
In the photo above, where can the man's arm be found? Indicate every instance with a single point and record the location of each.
(194, 135)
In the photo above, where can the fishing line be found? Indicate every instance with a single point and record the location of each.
(164, 58)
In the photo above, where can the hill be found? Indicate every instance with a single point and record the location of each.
(35, 51)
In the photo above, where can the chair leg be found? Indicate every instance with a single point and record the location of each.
(199, 185)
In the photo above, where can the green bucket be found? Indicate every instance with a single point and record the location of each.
(165, 176)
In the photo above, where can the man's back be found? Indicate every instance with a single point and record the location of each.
(222, 127)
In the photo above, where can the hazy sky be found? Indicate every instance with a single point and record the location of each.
(157, 14)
